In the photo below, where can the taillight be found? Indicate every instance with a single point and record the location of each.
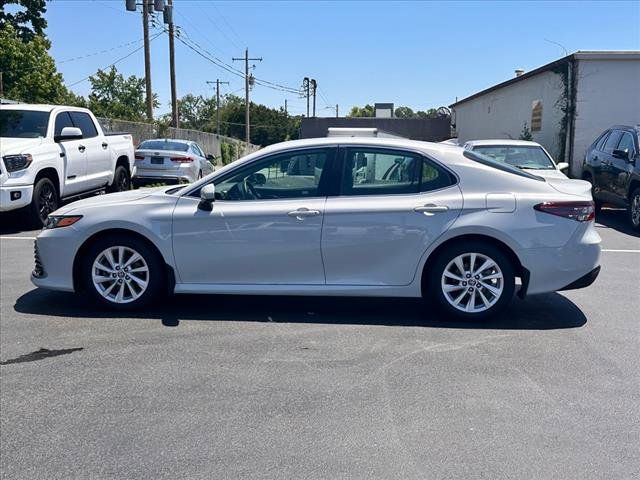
(139, 157)
(182, 159)
(579, 211)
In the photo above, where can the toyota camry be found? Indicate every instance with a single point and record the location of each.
(332, 216)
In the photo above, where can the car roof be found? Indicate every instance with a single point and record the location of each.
(28, 106)
(504, 141)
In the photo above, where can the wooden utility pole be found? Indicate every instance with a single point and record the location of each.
(218, 83)
(305, 89)
(285, 100)
(172, 67)
(246, 91)
(336, 110)
(314, 87)
(147, 59)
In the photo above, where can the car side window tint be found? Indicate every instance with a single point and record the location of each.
(434, 177)
(62, 120)
(199, 150)
(371, 171)
(601, 140)
(626, 143)
(612, 141)
(84, 122)
(288, 175)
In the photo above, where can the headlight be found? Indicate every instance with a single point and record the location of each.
(57, 221)
(17, 162)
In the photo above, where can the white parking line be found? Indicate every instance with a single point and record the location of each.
(17, 238)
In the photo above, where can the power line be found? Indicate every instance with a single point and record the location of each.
(93, 54)
(117, 61)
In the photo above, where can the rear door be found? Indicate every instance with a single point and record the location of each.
(622, 168)
(97, 150)
(74, 157)
(392, 205)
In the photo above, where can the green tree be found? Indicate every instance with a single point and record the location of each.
(366, 111)
(28, 21)
(114, 96)
(526, 133)
(404, 112)
(29, 73)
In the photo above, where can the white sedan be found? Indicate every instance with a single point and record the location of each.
(171, 160)
(520, 154)
(332, 216)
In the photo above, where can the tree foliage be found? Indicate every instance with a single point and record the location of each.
(400, 112)
(28, 21)
(112, 95)
(29, 73)
(366, 111)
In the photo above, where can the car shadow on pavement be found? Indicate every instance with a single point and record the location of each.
(616, 219)
(542, 312)
(14, 222)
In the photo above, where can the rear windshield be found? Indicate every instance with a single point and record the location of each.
(490, 162)
(526, 157)
(164, 145)
(23, 123)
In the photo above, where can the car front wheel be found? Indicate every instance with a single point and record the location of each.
(472, 282)
(122, 272)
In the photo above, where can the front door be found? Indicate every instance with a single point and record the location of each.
(74, 157)
(393, 205)
(264, 228)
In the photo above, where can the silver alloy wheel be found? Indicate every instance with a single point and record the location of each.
(120, 274)
(635, 210)
(472, 282)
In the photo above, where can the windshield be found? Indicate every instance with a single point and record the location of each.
(23, 123)
(164, 145)
(527, 157)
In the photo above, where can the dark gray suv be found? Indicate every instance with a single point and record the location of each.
(612, 165)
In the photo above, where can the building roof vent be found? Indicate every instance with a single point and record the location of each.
(519, 72)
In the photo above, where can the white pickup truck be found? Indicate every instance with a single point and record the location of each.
(50, 153)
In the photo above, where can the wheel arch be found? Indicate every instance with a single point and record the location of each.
(52, 174)
(520, 271)
(82, 252)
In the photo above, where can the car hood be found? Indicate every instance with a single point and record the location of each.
(110, 200)
(12, 146)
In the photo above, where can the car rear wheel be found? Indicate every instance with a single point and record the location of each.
(122, 273)
(634, 209)
(472, 281)
(121, 181)
(45, 200)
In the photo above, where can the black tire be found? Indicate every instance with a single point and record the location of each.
(121, 180)
(434, 289)
(633, 210)
(156, 276)
(44, 201)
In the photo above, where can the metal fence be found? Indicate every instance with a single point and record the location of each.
(210, 142)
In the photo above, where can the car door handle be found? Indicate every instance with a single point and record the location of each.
(430, 208)
(105, 145)
(81, 148)
(301, 213)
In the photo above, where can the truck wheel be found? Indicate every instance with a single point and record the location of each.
(121, 181)
(45, 200)
(634, 209)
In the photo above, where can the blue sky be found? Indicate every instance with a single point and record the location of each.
(419, 54)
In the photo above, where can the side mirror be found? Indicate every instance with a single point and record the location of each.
(623, 154)
(562, 166)
(207, 197)
(69, 133)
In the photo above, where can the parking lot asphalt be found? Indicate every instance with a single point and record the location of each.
(282, 387)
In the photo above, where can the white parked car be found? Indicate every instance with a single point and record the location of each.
(50, 153)
(522, 154)
(171, 160)
(332, 216)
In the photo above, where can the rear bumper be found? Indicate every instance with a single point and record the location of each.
(584, 281)
(149, 175)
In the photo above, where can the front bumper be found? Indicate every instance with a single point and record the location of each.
(14, 197)
(55, 252)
